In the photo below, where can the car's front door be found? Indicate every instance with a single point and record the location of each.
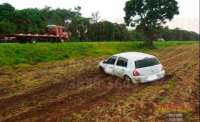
(121, 67)
(109, 68)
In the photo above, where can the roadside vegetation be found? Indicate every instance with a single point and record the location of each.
(13, 54)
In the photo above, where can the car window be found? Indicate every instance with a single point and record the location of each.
(146, 62)
(122, 62)
(111, 60)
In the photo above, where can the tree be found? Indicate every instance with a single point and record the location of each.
(102, 31)
(178, 34)
(78, 28)
(148, 16)
(95, 16)
(77, 10)
(29, 21)
(7, 28)
(121, 32)
(6, 12)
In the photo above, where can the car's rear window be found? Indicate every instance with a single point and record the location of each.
(147, 62)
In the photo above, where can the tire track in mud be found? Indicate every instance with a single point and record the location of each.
(123, 91)
(48, 92)
(43, 72)
(71, 102)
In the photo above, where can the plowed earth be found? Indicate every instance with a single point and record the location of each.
(75, 90)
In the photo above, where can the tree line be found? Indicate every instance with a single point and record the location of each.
(34, 20)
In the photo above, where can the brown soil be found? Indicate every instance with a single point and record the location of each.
(73, 90)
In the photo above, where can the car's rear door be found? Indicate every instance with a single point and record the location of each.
(121, 66)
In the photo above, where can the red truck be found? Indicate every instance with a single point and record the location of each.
(54, 33)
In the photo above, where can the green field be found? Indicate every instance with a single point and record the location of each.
(13, 54)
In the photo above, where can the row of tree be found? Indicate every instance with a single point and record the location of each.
(178, 34)
(33, 20)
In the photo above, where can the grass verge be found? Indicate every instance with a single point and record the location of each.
(14, 54)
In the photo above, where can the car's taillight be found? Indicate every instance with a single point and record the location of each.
(136, 73)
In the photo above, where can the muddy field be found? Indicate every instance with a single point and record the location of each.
(73, 90)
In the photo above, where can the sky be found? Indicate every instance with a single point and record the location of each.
(112, 10)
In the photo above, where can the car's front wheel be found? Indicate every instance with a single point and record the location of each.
(101, 69)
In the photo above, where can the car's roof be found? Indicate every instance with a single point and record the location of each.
(134, 55)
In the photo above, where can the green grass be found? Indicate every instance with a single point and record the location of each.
(13, 54)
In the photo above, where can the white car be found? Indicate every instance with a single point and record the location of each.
(134, 66)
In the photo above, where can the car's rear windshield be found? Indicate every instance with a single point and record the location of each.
(147, 62)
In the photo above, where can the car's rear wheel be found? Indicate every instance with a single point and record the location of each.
(135, 81)
(127, 79)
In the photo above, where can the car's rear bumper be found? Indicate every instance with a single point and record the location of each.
(145, 79)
